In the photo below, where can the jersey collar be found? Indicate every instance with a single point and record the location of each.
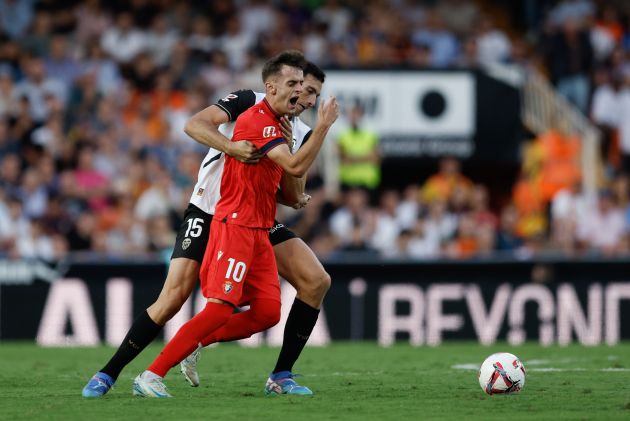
(267, 105)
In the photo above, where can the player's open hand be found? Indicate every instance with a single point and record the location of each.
(244, 151)
(287, 129)
(328, 111)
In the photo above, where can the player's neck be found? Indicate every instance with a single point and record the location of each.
(275, 113)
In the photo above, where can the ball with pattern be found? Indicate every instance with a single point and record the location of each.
(502, 373)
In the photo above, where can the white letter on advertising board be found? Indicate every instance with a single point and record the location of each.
(68, 301)
(389, 322)
(487, 323)
(119, 305)
(615, 292)
(571, 317)
(546, 310)
(437, 321)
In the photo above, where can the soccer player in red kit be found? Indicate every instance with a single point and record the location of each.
(239, 265)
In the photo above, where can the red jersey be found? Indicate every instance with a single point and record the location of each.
(248, 191)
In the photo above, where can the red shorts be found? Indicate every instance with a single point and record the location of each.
(239, 265)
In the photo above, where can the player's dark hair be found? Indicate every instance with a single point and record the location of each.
(291, 58)
(314, 70)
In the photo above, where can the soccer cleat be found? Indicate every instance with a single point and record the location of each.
(188, 367)
(149, 385)
(99, 384)
(282, 383)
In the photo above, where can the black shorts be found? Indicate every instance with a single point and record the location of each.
(192, 237)
(279, 234)
(193, 234)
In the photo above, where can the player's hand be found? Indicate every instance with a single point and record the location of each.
(287, 129)
(302, 201)
(244, 151)
(328, 111)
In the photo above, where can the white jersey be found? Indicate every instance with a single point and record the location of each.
(207, 191)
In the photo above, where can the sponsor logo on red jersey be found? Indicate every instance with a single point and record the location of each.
(269, 131)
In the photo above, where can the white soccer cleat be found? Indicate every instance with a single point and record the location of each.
(188, 367)
(149, 385)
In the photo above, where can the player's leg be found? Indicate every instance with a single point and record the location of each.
(261, 292)
(224, 268)
(182, 276)
(300, 267)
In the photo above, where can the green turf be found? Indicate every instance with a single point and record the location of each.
(351, 381)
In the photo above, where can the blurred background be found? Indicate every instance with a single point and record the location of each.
(472, 133)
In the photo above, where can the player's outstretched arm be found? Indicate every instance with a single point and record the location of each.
(297, 165)
(204, 128)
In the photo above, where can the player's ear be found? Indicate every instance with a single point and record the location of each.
(270, 87)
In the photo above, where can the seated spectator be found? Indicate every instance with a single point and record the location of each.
(353, 221)
(602, 228)
(386, 227)
(440, 186)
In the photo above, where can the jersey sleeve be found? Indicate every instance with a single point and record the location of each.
(237, 102)
(307, 136)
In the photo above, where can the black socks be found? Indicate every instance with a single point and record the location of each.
(300, 324)
(142, 332)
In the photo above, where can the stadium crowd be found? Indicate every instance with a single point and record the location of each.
(94, 96)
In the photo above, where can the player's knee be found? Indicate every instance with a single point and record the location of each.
(316, 286)
(171, 302)
(268, 314)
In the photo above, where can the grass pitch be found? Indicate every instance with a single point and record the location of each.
(351, 382)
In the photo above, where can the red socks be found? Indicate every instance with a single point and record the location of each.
(213, 316)
(262, 314)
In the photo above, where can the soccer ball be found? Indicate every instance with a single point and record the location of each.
(502, 373)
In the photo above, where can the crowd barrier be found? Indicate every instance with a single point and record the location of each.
(90, 303)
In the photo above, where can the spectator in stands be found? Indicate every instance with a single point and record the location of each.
(15, 16)
(570, 60)
(336, 16)
(439, 222)
(441, 42)
(440, 186)
(605, 110)
(508, 238)
(8, 145)
(624, 124)
(35, 86)
(409, 208)
(602, 228)
(425, 241)
(492, 45)
(7, 103)
(37, 40)
(353, 223)
(92, 20)
(33, 194)
(59, 63)
(466, 243)
(123, 41)
(359, 154)
(386, 226)
(160, 40)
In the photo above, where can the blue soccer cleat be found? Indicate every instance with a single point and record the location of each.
(282, 383)
(98, 385)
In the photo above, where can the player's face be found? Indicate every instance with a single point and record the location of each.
(288, 87)
(311, 90)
